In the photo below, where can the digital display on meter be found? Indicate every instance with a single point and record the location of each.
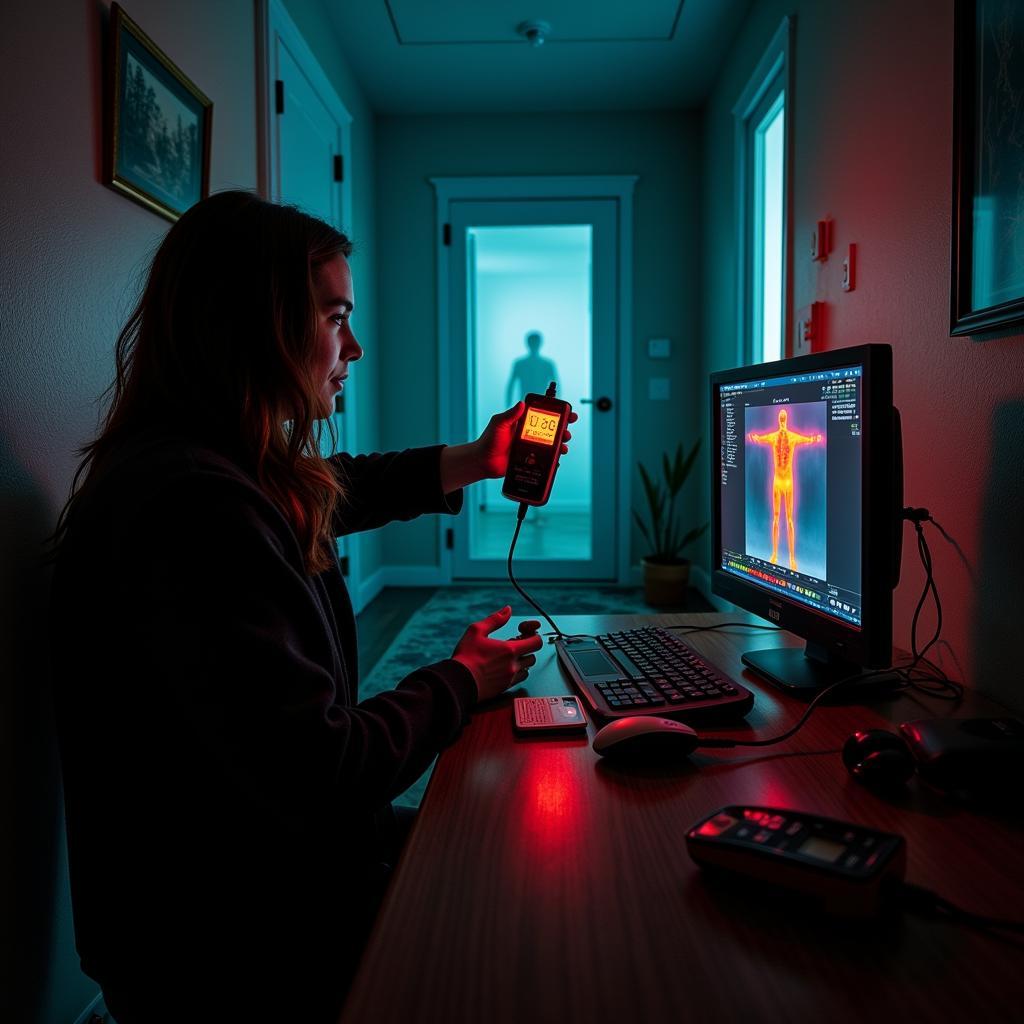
(540, 426)
(821, 849)
(536, 445)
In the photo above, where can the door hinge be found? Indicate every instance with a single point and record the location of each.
(339, 168)
(447, 234)
(344, 565)
(449, 538)
(279, 96)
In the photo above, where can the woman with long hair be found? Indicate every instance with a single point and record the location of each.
(227, 793)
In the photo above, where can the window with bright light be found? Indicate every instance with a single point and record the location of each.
(761, 165)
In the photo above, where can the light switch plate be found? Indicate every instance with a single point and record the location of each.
(821, 240)
(850, 268)
(658, 389)
(659, 348)
(809, 329)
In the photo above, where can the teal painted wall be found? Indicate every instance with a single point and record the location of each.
(70, 268)
(71, 262)
(319, 32)
(872, 130)
(662, 148)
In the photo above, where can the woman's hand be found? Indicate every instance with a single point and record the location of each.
(487, 456)
(494, 443)
(498, 664)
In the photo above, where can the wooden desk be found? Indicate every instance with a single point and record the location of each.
(543, 884)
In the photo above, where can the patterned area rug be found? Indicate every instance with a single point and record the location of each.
(433, 630)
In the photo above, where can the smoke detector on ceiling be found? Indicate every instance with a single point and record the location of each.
(534, 31)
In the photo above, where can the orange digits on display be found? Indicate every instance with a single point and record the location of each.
(783, 443)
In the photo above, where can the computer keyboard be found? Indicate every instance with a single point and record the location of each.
(649, 671)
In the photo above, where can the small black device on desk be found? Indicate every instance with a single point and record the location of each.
(649, 671)
(838, 863)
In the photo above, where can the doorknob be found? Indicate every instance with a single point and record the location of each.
(602, 404)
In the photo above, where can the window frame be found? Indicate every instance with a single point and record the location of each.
(771, 79)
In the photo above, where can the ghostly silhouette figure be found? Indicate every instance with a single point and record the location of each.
(533, 372)
(783, 443)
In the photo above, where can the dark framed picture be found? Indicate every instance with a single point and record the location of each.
(988, 167)
(157, 145)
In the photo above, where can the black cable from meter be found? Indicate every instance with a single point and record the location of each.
(520, 516)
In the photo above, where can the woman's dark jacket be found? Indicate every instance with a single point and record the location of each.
(224, 786)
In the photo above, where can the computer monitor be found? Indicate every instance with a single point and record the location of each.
(807, 497)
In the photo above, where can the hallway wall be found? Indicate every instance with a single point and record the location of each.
(872, 127)
(73, 257)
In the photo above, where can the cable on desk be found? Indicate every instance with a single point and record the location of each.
(930, 904)
(901, 672)
(929, 679)
(721, 741)
(722, 625)
(917, 516)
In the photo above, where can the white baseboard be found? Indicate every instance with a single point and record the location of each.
(396, 576)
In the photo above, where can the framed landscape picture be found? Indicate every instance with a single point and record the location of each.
(157, 144)
(987, 290)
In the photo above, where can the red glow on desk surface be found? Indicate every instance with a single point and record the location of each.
(551, 804)
(775, 793)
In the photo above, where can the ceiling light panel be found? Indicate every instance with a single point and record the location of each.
(453, 22)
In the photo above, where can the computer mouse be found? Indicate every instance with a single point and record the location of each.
(645, 736)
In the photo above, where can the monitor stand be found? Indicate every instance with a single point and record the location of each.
(807, 670)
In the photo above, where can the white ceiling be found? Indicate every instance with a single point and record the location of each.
(464, 56)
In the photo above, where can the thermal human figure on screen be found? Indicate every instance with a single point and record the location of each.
(783, 444)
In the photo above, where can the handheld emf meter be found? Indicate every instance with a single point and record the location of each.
(844, 866)
(536, 447)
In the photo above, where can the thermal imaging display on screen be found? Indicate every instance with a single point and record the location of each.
(790, 487)
(540, 426)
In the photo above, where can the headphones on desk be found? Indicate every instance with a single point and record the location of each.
(878, 758)
(951, 754)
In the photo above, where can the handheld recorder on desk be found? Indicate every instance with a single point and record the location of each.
(533, 458)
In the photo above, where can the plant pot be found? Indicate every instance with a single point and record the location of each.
(665, 583)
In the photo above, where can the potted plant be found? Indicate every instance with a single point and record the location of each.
(666, 573)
